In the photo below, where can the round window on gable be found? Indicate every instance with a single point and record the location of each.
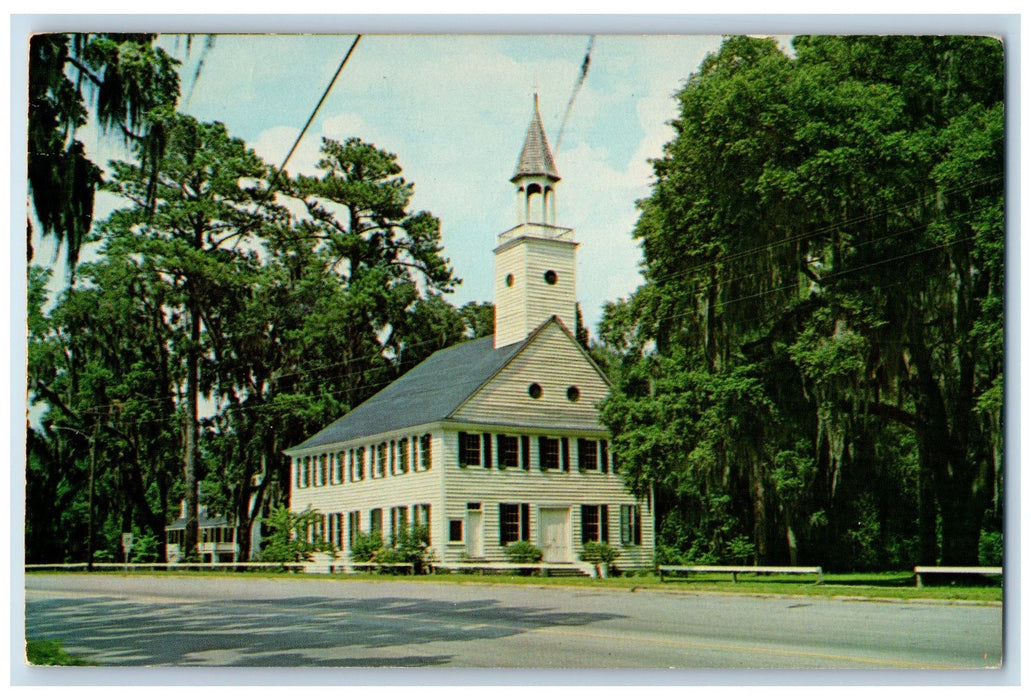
(573, 394)
(534, 390)
(551, 277)
(509, 279)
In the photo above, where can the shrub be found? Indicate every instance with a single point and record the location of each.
(144, 550)
(287, 540)
(989, 548)
(523, 553)
(598, 553)
(366, 545)
(408, 546)
(740, 550)
(389, 555)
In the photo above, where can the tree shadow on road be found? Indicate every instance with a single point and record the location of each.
(281, 632)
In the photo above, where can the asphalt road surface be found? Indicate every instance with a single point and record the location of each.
(159, 621)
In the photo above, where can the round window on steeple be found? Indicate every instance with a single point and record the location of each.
(551, 277)
(573, 393)
(509, 279)
(534, 390)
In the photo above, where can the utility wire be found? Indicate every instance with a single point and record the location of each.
(315, 111)
(729, 257)
(376, 385)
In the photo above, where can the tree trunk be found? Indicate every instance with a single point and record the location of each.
(792, 544)
(191, 435)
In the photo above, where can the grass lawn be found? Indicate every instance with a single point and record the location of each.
(889, 585)
(45, 652)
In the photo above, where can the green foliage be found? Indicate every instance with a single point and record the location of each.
(366, 545)
(145, 550)
(599, 553)
(47, 652)
(290, 536)
(815, 355)
(410, 546)
(523, 553)
(120, 78)
(204, 286)
(990, 549)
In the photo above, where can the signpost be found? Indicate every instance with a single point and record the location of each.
(126, 548)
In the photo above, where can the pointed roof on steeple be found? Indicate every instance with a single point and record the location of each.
(535, 158)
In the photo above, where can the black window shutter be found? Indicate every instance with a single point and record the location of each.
(525, 522)
(501, 523)
(487, 451)
(526, 452)
(604, 456)
(462, 456)
(565, 454)
(603, 516)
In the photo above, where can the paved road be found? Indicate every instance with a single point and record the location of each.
(280, 622)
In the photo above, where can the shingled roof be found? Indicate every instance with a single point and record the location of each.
(431, 391)
(535, 158)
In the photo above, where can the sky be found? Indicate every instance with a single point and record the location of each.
(454, 109)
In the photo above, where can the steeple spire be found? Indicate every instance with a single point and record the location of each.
(535, 261)
(535, 158)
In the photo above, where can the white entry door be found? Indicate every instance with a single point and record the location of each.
(474, 533)
(554, 534)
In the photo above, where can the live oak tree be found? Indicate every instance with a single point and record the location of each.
(105, 448)
(116, 78)
(817, 346)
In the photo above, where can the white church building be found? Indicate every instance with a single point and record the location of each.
(495, 440)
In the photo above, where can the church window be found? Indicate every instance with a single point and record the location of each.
(630, 525)
(594, 523)
(551, 277)
(354, 526)
(376, 520)
(573, 393)
(421, 516)
(398, 522)
(425, 452)
(403, 448)
(509, 279)
(508, 451)
(514, 522)
(468, 449)
(454, 530)
(587, 451)
(549, 452)
(534, 390)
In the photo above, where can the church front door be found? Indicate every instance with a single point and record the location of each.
(554, 534)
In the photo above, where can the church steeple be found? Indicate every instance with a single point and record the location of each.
(535, 175)
(535, 262)
(535, 158)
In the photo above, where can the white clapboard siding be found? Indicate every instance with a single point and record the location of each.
(413, 488)
(530, 301)
(493, 486)
(555, 362)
